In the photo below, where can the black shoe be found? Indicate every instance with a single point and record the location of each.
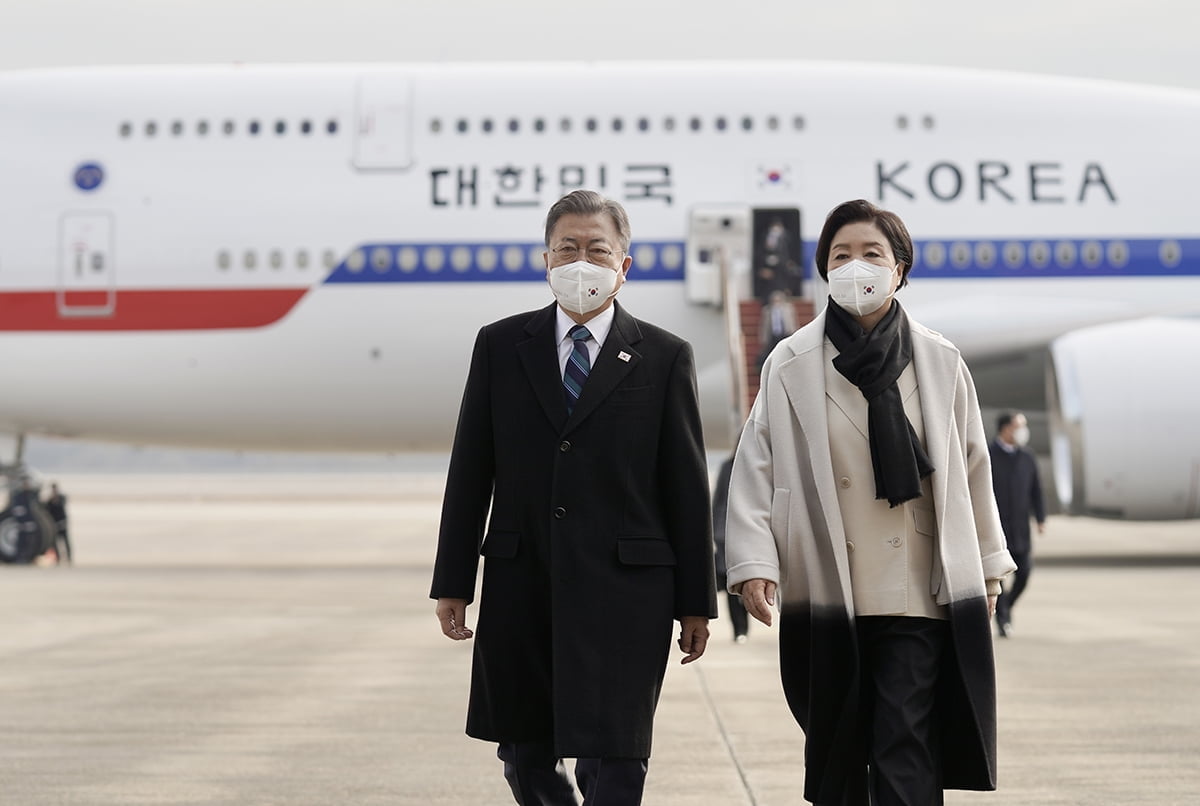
(1005, 628)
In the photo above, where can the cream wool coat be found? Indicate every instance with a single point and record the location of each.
(784, 525)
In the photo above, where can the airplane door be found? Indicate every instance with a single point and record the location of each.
(716, 233)
(383, 134)
(86, 268)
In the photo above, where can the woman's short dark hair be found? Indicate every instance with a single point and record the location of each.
(889, 224)
(589, 202)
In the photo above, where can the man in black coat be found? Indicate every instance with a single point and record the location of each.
(585, 445)
(1018, 496)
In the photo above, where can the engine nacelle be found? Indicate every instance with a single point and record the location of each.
(1124, 411)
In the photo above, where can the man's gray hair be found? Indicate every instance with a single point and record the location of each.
(589, 202)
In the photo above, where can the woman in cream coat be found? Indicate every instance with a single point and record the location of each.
(861, 496)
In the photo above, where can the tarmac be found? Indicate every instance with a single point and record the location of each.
(267, 639)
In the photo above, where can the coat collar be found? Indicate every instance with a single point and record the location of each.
(539, 356)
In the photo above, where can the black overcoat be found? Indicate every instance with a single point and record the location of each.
(1018, 494)
(599, 533)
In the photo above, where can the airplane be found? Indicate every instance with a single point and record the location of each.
(299, 257)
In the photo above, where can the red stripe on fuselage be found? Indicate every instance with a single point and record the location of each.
(177, 309)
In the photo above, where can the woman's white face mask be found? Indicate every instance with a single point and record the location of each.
(582, 287)
(861, 287)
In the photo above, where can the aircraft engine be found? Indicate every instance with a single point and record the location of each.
(1124, 412)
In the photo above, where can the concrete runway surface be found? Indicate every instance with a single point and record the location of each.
(267, 639)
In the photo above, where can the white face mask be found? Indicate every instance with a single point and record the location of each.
(860, 287)
(1021, 436)
(582, 287)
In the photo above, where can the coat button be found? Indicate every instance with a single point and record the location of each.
(844, 482)
(564, 446)
(560, 512)
(895, 541)
(849, 546)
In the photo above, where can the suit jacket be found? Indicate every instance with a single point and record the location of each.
(785, 525)
(1018, 494)
(599, 533)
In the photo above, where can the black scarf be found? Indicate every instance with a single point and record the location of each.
(873, 362)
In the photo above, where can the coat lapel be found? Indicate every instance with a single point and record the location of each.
(937, 376)
(539, 356)
(616, 359)
(803, 380)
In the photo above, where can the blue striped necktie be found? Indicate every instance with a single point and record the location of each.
(578, 366)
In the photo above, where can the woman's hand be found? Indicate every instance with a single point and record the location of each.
(758, 595)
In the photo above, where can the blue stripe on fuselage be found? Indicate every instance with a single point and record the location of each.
(428, 262)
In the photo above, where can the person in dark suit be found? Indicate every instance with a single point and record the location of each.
(720, 507)
(578, 473)
(1018, 496)
(56, 507)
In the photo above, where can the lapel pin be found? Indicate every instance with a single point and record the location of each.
(624, 356)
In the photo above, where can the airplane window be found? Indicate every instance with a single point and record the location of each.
(356, 261)
(435, 258)
(747, 123)
(202, 128)
(228, 127)
(332, 126)
(97, 261)
(694, 123)
(985, 254)
(255, 126)
(772, 122)
(902, 122)
(960, 254)
(1170, 253)
(250, 260)
(460, 258)
(435, 125)
(935, 255)
(514, 258)
(126, 129)
(462, 126)
(644, 124)
(617, 124)
(1064, 254)
(927, 121)
(381, 259)
(329, 258)
(1014, 254)
(151, 129)
(177, 128)
(539, 125)
(916, 254)
(798, 123)
(224, 261)
(514, 125)
(408, 258)
(535, 258)
(1091, 254)
(565, 124)
(590, 124)
(669, 124)
(1118, 254)
(486, 258)
(280, 127)
(721, 124)
(644, 257)
(276, 259)
(301, 259)
(672, 257)
(487, 125)
(306, 127)
(1039, 254)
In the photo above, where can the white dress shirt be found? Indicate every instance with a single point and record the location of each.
(598, 326)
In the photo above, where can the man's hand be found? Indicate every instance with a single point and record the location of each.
(452, 616)
(693, 637)
(758, 595)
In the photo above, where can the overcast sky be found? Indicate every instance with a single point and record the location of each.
(1147, 41)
